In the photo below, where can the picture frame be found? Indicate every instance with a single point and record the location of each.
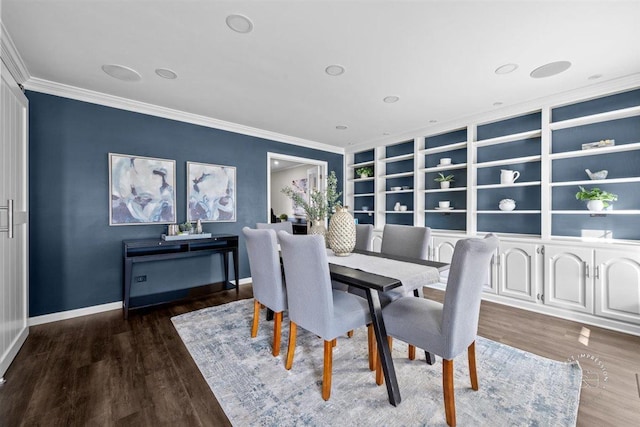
(141, 190)
(211, 192)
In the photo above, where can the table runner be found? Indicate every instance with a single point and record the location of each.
(412, 276)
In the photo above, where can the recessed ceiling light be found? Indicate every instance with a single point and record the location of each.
(506, 68)
(391, 99)
(166, 73)
(342, 127)
(121, 72)
(497, 104)
(239, 24)
(334, 70)
(550, 69)
(386, 133)
(433, 121)
(275, 162)
(595, 77)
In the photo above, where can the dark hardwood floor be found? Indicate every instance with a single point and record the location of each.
(103, 370)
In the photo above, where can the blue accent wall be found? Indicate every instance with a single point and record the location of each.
(75, 256)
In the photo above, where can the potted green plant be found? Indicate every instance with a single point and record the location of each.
(284, 217)
(365, 171)
(445, 181)
(596, 198)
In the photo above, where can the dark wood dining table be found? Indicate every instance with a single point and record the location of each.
(373, 284)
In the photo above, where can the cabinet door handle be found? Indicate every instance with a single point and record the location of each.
(597, 272)
(9, 228)
(586, 269)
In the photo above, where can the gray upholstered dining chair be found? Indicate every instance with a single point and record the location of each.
(313, 304)
(277, 226)
(266, 275)
(364, 237)
(450, 328)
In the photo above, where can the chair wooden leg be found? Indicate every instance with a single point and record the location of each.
(412, 352)
(471, 352)
(447, 387)
(256, 317)
(277, 328)
(293, 328)
(328, 367)
(373, 350)
(379, 373)
(350, 333)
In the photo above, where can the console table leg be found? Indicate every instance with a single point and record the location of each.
(236, 271)
(128, 267)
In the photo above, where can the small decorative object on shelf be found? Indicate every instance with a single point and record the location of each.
(198, 227)
(396, 207)
(342, 232)
(597, 175)
(365, 208)
(445, 181)
(445, 161)
(284, 217)
(173, 229)
(507, 205)
(186, 227)
(403, 208)
(508, 176)
(365, 171)
(599, 144)
(596, 198)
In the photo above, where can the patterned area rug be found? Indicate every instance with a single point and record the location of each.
(253, 387)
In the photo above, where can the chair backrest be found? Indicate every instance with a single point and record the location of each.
(277, 226)
(266, 273)
(406, 240)
(364, 237)
(469, 269)
(306, 270)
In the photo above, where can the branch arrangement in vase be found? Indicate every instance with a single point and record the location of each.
(320, 203)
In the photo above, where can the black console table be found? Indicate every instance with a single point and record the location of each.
(145, 250)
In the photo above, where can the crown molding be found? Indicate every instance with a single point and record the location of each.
(58, 89)
(11, 57)
(576, 95)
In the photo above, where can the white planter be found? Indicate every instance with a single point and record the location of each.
(445, 184)
(595, 205)
(364, 175)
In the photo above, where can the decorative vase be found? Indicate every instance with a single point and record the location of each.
(317, 227)
(595, 205)
(396, 207)
(342, 232)
(445, 184)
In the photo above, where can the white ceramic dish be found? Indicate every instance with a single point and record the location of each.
(396, 188)
(444, 209)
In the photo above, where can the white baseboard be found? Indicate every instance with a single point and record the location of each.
(85, 311)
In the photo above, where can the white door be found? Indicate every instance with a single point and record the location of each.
(618, 285)
(14, 277)
(518, 270)
(569, 283)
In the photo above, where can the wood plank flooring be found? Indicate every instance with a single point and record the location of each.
(105, 371)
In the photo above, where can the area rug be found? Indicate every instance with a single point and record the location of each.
(516, 388)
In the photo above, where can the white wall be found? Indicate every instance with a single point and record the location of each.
(279, 202)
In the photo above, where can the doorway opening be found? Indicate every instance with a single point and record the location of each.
(299, 173)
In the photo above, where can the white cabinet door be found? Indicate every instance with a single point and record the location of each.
(519, 270)
(442, 250)
(569, 282)
(14, 238)
(617, 277)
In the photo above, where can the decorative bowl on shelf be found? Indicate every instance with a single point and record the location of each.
(396, 188)
(507, 204)
(406, 187)
(365, 208)
(597, 175)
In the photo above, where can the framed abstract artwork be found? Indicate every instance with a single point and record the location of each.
(141, 190)
(211, 192)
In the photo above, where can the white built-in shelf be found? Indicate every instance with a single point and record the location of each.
(515, 184)
(595, 182)
(362, 164)
(445, 190)
(444, 148)
(365, 212)
(515, 211)
(444, 168)
(398, 212)
(516, 160)
(596, 151)
(361, 179)
(444, 211)
(588, 212)
(596, 118)
(509, 138)
(398, 191)
(364, 195)
(397, 175)
(397, 158)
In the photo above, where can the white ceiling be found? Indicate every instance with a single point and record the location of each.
(439, 57)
